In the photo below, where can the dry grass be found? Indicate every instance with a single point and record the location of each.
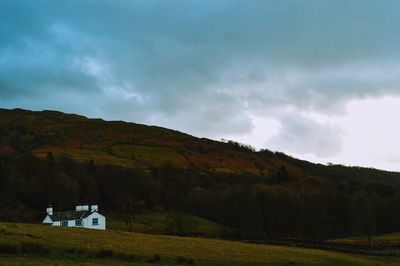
(203, 251)
(157, 222)
(84, 155)
(393, 238)
(149, 155)
(45, 261)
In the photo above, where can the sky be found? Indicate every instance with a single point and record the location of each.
(316, 79)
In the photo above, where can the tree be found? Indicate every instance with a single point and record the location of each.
(64, 190)
(50, 160)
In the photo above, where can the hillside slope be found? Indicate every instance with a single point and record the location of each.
(123, 144)
(139, 146)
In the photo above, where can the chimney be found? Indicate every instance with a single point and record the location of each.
(94, 208)
(85, 207)
(49, 210)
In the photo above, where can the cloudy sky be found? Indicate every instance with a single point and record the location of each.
(319, 80)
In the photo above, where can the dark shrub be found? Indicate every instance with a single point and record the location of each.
(189, 261)
(155, 259)
(180, 260)
(33, 248)
(183, 260)
(70, 250)
(8, 248)
(105, 253)
(76, 251)
(125, 256)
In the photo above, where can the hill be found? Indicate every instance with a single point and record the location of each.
(139, 146)
(130, 169)
(42, 245)
(120, 143)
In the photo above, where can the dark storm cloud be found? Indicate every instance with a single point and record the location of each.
(199, 66)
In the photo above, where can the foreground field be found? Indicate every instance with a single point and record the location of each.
(28, 244)
(57, 260)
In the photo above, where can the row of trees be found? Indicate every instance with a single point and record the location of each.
(276, 206)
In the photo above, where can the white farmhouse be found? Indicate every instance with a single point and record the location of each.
(81, 217)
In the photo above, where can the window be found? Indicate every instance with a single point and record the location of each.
(95, 221)
(64, 223)
(78, 223)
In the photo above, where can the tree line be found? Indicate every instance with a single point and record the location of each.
(277, 205)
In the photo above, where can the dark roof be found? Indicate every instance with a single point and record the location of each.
(69, 215)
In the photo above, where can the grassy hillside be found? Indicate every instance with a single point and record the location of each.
(139, 146)
(28, 244)
(120, 143)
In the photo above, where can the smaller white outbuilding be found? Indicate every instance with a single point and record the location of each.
(83, 216)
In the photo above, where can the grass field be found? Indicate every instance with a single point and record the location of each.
(36, 260)
(393, 238)
(149, 155)
(125, 155)
(29, 244)
(157, 223)
(84, 155)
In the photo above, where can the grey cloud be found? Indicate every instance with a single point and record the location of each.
(302, 135)
(325, 90)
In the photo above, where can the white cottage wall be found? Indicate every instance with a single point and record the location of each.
(47, 220)
(56, 223)
(101, 221)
